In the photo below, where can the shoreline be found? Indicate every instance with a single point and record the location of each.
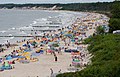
(42, 31)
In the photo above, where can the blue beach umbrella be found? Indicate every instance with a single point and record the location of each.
(21, 56)
(68, 35)
(9, 57)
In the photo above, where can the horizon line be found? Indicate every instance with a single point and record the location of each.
(57, 3)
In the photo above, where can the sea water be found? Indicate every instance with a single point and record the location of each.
(21, 22)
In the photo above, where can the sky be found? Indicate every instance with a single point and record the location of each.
(51, 1)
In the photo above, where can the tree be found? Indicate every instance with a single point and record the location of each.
(116, 9)
(114, 24)
(100, 30)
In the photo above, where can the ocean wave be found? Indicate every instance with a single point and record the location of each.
(44, 19)
(11, 38)
(34, 22)
(49, 16)
(25, 27)
(38, 19)
(22, 32)
(10, 35)
(13, 28)
(4, 41)
(2, 31)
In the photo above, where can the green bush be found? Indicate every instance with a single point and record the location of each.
(106, 60)
(114, 24)
(100, 30)
(116, 9)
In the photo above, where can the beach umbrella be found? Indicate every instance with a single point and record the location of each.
(21, 56)
(24, 45)
(68, 35)
(62, 32)
(9, 57)
(34, 43)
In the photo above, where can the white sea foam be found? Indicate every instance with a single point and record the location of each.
(41, 34)
(22, 32)
(13, 28)
(11, 38)
(49, 17)
(2, 31)
(44, 19)
(10, 35)
(26, 27)
(37, 19)
(34, 22)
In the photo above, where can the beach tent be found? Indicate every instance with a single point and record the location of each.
(73, 40)
(75, 62)
(69, 50)
(26, 54)
(40, 51)
(31, 46)
(21, 56)
(28, 46)
(27, 50)
(9, 57)
(50, 43)
(49, 51)
(6, 66)
(24, 45)
(68, 35)
(14, 56)
(34, 43)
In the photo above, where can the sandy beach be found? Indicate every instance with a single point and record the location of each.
(84, 27)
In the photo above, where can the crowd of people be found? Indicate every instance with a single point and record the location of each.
(58, 41)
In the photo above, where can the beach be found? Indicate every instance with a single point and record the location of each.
(57, 51)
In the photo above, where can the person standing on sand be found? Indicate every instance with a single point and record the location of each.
(51, 72)
(55, 58)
